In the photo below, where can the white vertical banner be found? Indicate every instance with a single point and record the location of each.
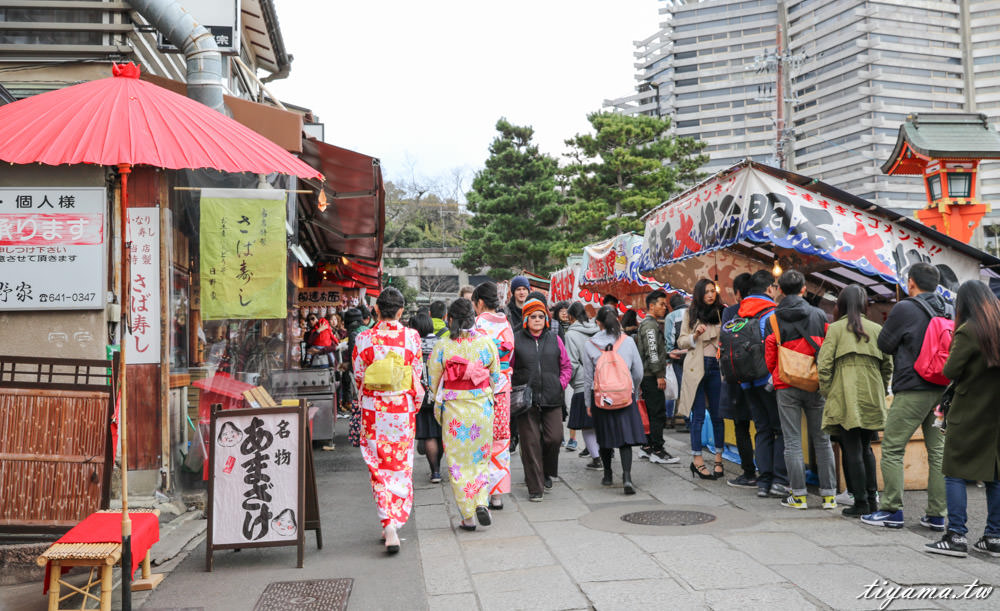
(143, 340)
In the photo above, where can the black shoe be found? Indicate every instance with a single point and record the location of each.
(469, 527)
(627, 483)
(584, 453)
(483, 516)
(742, 482)
(513, 446)
(951, 544)
(988, 545)
(594, 465)
(548, 483)
(706, 474)
(856, 511)
(607, 480)
(535, 497)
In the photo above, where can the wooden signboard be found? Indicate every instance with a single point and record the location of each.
(257, 479)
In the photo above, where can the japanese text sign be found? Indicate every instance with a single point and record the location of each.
(220, 17)
(243, 254)
(143, 341)
(310, 296)
(753, 205)
(52, 248)
(256, 476)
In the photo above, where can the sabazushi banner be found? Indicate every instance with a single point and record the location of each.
(243, 254)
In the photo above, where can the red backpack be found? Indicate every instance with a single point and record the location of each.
(612, 378)
(935, 347)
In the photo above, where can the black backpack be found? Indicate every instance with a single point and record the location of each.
(741, 349)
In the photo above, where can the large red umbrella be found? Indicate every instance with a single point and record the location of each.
(122, 121)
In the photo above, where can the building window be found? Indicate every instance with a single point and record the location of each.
(934, 185)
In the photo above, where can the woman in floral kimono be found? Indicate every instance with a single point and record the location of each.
(495, 326)
(391, 393)
(465, 370)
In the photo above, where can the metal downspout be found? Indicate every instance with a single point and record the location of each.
(204, 62)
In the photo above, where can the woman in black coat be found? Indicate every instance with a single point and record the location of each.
(972, 442)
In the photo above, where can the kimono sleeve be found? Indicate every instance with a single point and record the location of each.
(494, 364)
(358, 360)
(417, 365)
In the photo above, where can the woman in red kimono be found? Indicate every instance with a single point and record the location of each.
(388, 410)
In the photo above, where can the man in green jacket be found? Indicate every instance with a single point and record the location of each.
(653, 351)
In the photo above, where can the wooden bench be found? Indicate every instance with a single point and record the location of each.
(101, 558)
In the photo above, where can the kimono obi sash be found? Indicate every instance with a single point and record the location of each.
(462, 374)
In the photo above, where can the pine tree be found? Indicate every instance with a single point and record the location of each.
(627, 167)
(515, 206)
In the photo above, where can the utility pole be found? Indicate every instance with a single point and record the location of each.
(776, 62)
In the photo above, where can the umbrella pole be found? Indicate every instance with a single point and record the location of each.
(123, 171)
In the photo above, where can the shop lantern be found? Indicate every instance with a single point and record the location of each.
(945, 150)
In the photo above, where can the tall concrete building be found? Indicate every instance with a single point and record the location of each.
(852, 70)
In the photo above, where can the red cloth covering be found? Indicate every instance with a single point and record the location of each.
(107, 528)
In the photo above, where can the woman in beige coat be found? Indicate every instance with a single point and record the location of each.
(702, 382)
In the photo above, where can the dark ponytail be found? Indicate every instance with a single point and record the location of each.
(578, 312)
(487, 291)
(461, 317)
(853, 303)
(608, 317)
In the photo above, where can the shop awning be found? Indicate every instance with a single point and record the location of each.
(355, 274)
(612, 267)
(353, 222)
(763, 214)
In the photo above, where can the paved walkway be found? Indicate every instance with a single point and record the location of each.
(572, 551)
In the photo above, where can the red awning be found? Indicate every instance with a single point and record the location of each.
(354, 221)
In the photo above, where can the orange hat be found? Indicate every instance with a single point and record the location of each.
(530, 307)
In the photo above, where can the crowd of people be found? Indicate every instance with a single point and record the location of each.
(471, 382)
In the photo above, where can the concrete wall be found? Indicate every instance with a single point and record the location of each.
(79, 334)
(432, 264)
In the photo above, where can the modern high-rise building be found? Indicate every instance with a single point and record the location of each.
(851, 72)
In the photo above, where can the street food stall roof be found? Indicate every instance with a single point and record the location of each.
(924, 136)
(353, 223)
(764, 214)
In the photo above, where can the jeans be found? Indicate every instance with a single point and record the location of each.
(957, 501)
(912, 409)
(656, 408)
(792, 403)
(745, 447)
(859, 464)
(769, 442)
(708, 393)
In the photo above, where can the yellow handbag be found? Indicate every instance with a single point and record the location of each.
(389, 374)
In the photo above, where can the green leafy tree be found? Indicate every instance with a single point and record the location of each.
(515, 206)
(627, 167)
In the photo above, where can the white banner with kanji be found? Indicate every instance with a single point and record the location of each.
(143, 339)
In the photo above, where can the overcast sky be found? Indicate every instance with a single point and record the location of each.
(421, 84)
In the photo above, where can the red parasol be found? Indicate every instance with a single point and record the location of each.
(123, 121)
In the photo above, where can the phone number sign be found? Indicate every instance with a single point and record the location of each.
(53, 248)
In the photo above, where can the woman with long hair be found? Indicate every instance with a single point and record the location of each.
(388, 410)
(615, 428)
(701, 383)
(464, 373)
(972, 445)
(493, 324)
(854, 378)
(428, 429)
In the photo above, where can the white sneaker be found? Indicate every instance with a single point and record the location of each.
(845, 498)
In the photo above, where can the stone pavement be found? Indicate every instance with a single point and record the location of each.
(572, 551)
